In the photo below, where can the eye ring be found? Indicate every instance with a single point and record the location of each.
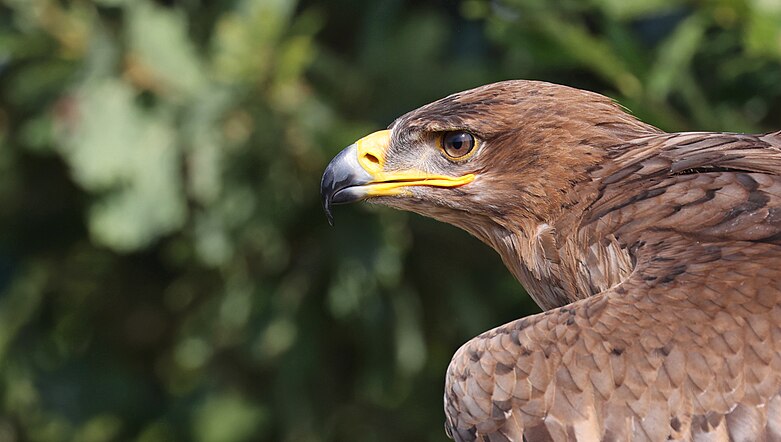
(458, 144)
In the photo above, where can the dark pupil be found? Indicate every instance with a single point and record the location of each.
(459, 141)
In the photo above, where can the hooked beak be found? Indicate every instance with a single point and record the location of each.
(357, 173)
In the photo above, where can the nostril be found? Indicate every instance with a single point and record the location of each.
(371, 158)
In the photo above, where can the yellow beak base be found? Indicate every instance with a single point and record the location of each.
(358, 172)
(372, 150)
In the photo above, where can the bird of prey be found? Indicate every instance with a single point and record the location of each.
(655, 256)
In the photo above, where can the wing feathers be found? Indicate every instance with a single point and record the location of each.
(628, 376)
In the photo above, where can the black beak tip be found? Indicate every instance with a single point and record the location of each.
(328, 213)
(341, 181)
(326, 194)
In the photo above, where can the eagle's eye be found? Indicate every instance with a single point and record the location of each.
(458, 144)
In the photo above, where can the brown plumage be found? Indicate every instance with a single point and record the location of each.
(657, 257)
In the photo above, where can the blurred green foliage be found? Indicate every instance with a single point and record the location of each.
(165, 270)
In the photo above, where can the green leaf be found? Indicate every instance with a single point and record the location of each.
(763, 33)
(161, 52)
(130, 156)
(227, 418)
(245, 41)
(675, 56)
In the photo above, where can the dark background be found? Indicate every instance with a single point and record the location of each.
(166, 272)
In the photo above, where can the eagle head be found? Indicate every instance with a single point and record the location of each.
(489, 159)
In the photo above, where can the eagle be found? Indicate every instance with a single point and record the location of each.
(655, 257)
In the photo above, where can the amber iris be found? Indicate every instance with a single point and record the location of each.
(458, 144)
